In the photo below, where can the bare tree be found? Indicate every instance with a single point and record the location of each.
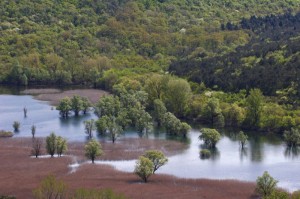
(36, 147)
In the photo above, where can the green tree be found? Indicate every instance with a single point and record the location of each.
(213, 113)
(210, 137)
(159, 111)
(16, 126)
(184, 129)
(234, 115)
(292, 137)
(265, 184)
(177, 96)
(50, 188)
(61, 145)
(157, 157)
(89, 126)
(76, 104)
(64, 107)
(254, 104)
(143, 121)
(86, 104)
(93, 149)
(101, 124)
(144, 168)
(108, 106)
(242, 138)
(51, 144)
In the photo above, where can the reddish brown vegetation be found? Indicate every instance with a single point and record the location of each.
(20, 174)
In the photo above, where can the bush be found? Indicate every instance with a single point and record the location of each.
(205, 153)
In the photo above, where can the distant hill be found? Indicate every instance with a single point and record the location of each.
(96, 41)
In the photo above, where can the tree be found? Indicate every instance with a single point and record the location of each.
(234, 115)
(93, 149)
(144, 168)
(76, 104)
(33, 129)
(101, 124)
(107, 106)
(61, 145)
(184, 129)
(159, 111)
(25, 111)
(36, 147)
(50, 188)
(265, 184)
(16, 126)
(177, 96)
(89, 126)
(64, 107)
(114, 129)
(157, 157)
(86, 104)
(51, 144)
(213, 113)
(210, 137)
(143, 121)
(292, 137)
(242, 138)
(254, 104)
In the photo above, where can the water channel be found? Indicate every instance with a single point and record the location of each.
(262, 153)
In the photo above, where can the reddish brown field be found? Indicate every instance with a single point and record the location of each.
(20, 174)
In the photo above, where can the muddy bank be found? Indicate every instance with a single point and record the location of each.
(53, 96)
(17, 166)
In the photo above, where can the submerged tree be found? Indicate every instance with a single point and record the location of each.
(89, 126)
(64, 107)
(76, 104)
(292, 137)
(93, 149)
(242, 138)
(16, 126)
(210, 137)
(33, 129)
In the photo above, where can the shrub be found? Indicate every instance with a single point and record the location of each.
(144, 168)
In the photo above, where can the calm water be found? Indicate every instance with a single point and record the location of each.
(228, 160)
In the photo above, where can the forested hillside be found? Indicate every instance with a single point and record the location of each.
(100, 41)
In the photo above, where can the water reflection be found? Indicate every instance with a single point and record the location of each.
(243, 153)
(292, 152)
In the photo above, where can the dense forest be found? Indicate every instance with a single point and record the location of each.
(246, 48)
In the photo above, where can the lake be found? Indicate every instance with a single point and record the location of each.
(262, 153)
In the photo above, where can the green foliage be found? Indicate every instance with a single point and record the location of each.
(51, 144)
(213, 113)
(205, 153)
(144, 168)
(210, 137)
(254, 103)
(76, 104)
(108, 106)
(61, 145)
(265, 184)
(234, 115)
(93, 149)
(16, 125)
(86, 104)
(50, 188)
(64, 107)
(292, 137)
(159, 111)
(242, 138)
(157, 157)
(278, 194)
(174, 126)
(177, 96)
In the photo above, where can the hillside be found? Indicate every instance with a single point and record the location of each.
(98, 42)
